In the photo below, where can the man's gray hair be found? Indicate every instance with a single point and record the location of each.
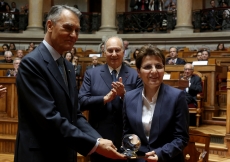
(189, 64)
(122, 43)
(55, 12)
(15, 59)
(8, 52)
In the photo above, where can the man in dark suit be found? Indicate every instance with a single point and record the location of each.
(103, 96)
(195, 85)
(173, 59)
(50, 125)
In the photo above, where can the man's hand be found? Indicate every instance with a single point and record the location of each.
(110, 96)
(2, 91)
(107, 149)
(151, 156)
(119, 87)
(171, 62)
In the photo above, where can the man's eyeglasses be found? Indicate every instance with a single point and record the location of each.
(150, 67)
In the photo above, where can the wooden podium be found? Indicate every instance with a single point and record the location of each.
(9, 103)
(177, 83)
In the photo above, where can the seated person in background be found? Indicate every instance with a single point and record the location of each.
(195, 85)
(14, 71)
(139, 5)
(205, 55)
(128, 52)
(8, 57)
(68, 56)
(220, 47)
(73, 51)
(199, 56)
(20, 54)
(5, 47)
(135, 53)
(173, 59)
(76, 65)
(2, 91)
(32, 44)
(12, 46)
(102, 46)
(156, 5)
(30, 49)
(94, 63)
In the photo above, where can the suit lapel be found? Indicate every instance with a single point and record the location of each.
(124, 73)
(52, 67)
(105, 75)
(138, 117)
(155, 126)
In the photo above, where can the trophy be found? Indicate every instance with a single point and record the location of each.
(130, 145)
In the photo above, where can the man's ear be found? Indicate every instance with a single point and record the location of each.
(49, 26)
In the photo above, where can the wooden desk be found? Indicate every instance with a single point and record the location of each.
(177, 83)
(211, 72)
(9, 103)
(212, 53)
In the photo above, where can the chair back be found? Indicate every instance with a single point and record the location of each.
(203, 78)
(191, 153)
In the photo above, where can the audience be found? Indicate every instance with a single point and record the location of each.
(139, 5)
(68, 56)
(77, 66)
(199, 56)
(128, 52)
(3, 6)
(94, 63)
(102, 49)
(5, 47)
(8, 57)
(14, 72)
(20, 54)
(156, 5)
(195, 85)
(173, 59)
(12, 47)
(135, 53)
(220, 47)
(205, 55)
(74, 51)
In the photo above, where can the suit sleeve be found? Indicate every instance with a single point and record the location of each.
(196, 86)
(34, 85)
(180, 134)
(86, 99)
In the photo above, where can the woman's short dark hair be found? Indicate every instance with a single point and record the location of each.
(149, 50)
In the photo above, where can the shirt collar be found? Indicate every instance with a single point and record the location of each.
(154, 99)
(117, 69)
(52, 51)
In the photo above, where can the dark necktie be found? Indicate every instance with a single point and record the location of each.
(114, 75)
(61, 67)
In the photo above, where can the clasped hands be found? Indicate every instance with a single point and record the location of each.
(118, 89)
